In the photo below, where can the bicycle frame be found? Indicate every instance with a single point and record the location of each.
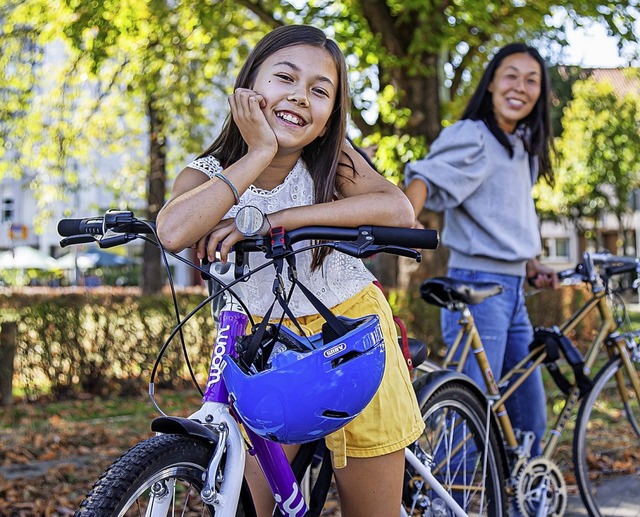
(216, 412)
(232, 324)
(607, 336)
(215, 422)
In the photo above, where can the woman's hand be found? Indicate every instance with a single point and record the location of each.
(246, 110)
(541, 276)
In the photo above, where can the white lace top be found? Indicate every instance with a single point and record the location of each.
(340, 277)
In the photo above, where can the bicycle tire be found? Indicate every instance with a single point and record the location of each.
(607, 456)
(123, 489)
(453, 409)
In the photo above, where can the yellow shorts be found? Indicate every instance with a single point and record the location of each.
(392, 419)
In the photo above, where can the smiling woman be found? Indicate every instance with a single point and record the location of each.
(480, 172)
(515, 89)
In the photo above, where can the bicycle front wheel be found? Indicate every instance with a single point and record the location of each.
(464, 459)
(159, 476)
(606, 446)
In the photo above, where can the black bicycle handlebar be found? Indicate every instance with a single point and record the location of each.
(608, 265)
(117, 221)
(125, 222)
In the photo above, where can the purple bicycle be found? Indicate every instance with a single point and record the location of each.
(195, 465)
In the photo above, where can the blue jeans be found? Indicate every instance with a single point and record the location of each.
(506, 332)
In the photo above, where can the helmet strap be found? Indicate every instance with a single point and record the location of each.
(331, 330)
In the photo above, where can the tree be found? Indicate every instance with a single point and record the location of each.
(418, 60)
(413, 63)
(170, 54)
(135, 81)
(599, 157)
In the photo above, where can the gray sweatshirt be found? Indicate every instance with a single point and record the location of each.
(490, 220)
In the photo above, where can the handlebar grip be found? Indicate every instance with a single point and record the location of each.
(118, 221)
(408, 237)
(70, 227)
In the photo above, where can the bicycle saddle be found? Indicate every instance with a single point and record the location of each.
(443, 291)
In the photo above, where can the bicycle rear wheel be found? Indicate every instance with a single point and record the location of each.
(171, 465)
(464, 459)
(606, 446)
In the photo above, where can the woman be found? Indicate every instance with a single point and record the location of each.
(480, 172)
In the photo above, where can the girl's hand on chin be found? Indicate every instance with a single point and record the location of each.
(246, 108)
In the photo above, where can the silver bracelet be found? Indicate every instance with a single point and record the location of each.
(231, 185)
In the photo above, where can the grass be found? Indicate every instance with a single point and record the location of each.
(64, 446)
(97, 430)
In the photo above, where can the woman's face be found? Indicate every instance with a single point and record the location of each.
(299, 85)
(515, 89)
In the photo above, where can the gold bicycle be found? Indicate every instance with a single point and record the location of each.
(606, 440)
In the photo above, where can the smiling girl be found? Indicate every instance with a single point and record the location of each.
(480, 172)
(283, 150)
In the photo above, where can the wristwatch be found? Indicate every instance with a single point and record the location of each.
(250, 220)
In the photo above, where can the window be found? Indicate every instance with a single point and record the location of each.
(556, 248)
(8, 210)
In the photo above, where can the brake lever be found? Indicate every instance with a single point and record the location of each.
(403, 252)
(117, 240)
(76, 239)
(358, 251)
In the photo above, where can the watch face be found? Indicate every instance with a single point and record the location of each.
(249, 220)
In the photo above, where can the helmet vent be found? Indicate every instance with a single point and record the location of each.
(330, 413)
(344, 358)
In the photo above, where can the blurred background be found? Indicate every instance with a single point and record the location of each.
(102, 103)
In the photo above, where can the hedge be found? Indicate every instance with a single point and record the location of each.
(105, 340)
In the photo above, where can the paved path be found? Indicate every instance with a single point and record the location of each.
(575, 507)
(615, 491)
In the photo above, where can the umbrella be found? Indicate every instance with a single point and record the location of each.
(26, 257)
(92, 259)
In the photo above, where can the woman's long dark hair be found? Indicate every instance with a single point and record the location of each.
(539, 141)
(323, 154)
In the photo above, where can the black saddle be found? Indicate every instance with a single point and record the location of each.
(445, 291)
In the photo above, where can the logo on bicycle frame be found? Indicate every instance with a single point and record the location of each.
(217, 363)
(287, 506)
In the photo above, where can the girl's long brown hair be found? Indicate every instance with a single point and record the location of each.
(321, 156)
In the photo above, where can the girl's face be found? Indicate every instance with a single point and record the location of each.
(299, 85)
(515, 89)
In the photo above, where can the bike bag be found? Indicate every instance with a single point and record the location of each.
(556, 344)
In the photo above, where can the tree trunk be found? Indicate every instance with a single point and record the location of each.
(152, 272)
(8, 332)
(418, 89)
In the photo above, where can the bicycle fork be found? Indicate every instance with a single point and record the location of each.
(425, 472)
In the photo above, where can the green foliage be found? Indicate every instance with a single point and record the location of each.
(599, 154)
(103, 341)
(412, 65)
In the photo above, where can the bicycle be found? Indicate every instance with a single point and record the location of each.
(537, 484)
(195, 465)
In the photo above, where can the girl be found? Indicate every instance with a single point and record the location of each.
(283, 149)
(480, 172)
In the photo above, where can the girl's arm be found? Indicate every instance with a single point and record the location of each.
(366, 198)
(197, 203)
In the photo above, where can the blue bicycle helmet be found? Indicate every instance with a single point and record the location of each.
(307, 393)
